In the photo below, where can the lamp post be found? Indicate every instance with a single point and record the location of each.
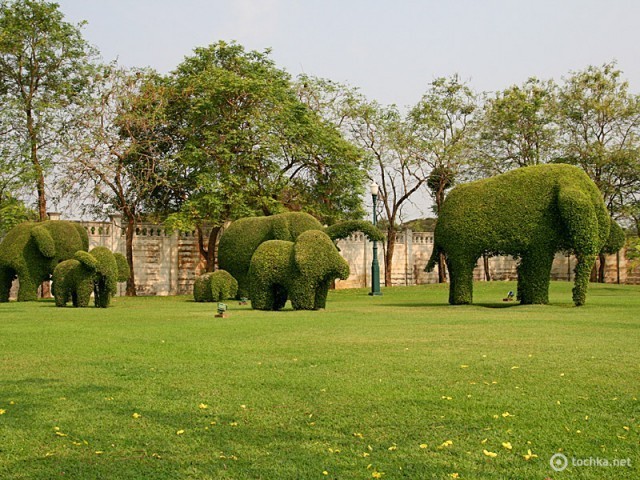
(375, 267)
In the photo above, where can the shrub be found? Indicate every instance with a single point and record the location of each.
(239, 242)
(31, 251)
(302, 271)
(214, 287)
(530, 213)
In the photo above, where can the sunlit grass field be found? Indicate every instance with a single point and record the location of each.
(397, 386)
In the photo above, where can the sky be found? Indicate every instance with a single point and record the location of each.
(390, 49)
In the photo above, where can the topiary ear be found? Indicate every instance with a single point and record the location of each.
(86, 259)
(123, 267)
(44, 241)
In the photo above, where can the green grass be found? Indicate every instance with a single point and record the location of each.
(352, 391)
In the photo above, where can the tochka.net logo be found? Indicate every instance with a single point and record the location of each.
(559, 462)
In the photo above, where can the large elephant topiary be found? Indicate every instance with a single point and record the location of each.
(530, 213)
(244, 236)
(214, 287)
(301, 271)
(97, 272)
(31, 251)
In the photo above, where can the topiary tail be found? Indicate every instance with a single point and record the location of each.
(433, 261)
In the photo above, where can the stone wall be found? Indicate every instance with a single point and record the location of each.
(166, 263)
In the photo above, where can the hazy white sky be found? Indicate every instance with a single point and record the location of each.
(390, 49)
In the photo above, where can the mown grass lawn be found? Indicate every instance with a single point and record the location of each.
(398, 386)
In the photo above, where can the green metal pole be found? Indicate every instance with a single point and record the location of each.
(375, 267)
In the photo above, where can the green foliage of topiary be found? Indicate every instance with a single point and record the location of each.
(31, 251)
(214, 287)
(344, 229)
(302, 271)
(124, 272)
(239, 242)
(97, 272)
(615, 240)
(530, 213)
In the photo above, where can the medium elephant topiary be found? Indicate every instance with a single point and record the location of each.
(97, 272)
(31, 251)
(241, 239)
(214, 287)
(301, 271)
(530, 213)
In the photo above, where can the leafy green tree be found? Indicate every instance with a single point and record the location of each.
(517, 127)
(43, 68)
(600, 123)
(441, 123)
(244, 144)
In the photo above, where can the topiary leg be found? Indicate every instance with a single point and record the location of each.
(6, 279)
(534, 274)
(461, 286)
(581, 283)
(321, 295)
(28, 290)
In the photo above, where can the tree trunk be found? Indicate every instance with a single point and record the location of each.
(388, 256)
(130, 230)
(442, 268)
(601, 269)
(487, 273)
(594, 273)
(211, 249)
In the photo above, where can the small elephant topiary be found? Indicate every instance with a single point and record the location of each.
(241, 239)
(530, 213)
(97, 272)
(31, 251)
(214, 287)
(301, 271)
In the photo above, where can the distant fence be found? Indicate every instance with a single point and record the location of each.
(166, 263)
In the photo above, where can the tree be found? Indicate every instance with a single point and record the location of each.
(118, 144)
(600, 124)
(43, 68)
(517, 127)
(441, 124)
(244, 144)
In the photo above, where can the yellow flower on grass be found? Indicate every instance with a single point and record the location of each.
(325, 472)
(60, 434)
(180, 432)
(529, 455)
(136, 415)
(454, 475)
(626, 428)
(424, 445)
(358, 435)
(99, 452)
(203, 406)
(507, 445)
(490, 454)
(2, 411)
(233, 424)
(376, 474)
(484, 441)
(446, 443)
(506, 414)
(392, 447)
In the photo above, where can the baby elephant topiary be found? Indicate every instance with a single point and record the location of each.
(214, 287)
(97, 271)
(302, 271)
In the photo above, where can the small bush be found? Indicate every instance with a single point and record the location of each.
(214, 287)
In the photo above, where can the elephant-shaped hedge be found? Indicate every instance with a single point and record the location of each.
(530, 213)
(31, 251)
(301, 271)
(241, 239)
(97, 272)
(214, 287)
